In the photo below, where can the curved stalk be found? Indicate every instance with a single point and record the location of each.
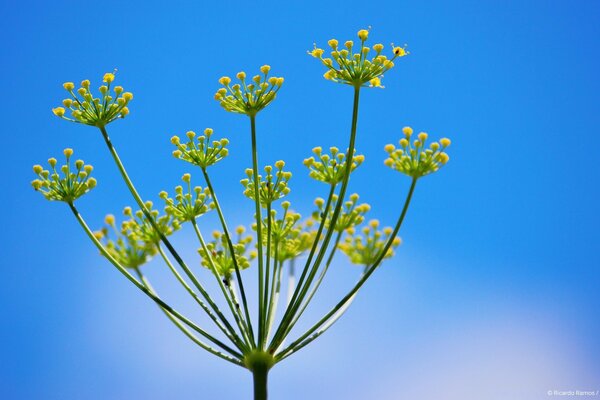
(155, 298)
(352, 293)
(183, 329)
(248, 320)
(334, 217)
(245, 345)
(163, 238)
(187, 287)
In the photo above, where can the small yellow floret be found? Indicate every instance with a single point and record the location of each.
(225, 80)
(265, 69)
(399, 52)
(109, 220)
(186, 178)
(333, 43)
(422, 136)
(69, 86)
(128, 96)
(108, 77)
(363, 34)
(241, 75)
(389, 148)
(68, 152)
(58, 111)
(407, 130)
(445, 142)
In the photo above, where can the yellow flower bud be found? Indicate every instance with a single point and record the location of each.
(445, 142)
(363, 34)
(67, 103)
(333, 43)
(280, 164)
(388, 162)
(241, 75)
(389, 148)
(375, 82)
(225, 80)
(69, 86)
(109, 220)
(186, 178)
(128, 96)
(37, 169)
(444, 158)
(422, 136)
(399, 52)
(108, 77)
(68, 152)
(124, 111)
(58, 111)
(317, 53)
(407, 130)
(378, 47)
(85, 84)
(265, 69)
(349, 44)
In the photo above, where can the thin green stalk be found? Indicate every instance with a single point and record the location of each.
(187, 287)
(293, 346)
(183, 329)
(318, 283)
(258, 232)
(245, 345)
(232, 251)
(293, 292)
(267, 273)
(349, 158)
(163, 238)
(140, 286)
(275, 290)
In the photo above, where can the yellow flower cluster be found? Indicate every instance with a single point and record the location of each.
(414, 158)
(204, 153)
(248, 97)
(188, 206)
(65, 183)
(95, 111)
(270, 188)
(141, 228)
(365, 250)
(330, 168)
(351, 65)
(218, 250)
(126, 248)
(351, 213)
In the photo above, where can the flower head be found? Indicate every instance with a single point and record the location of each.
(202, 151)
(365, 250)
(413, 158)
(95, 111)
(219, 252)
(141, 228)
(125, 248)
(330, 168)
(352, 65)
(189, 205)
(351, 213)
(66, 183)
(248, 96)
(289, 238)
(270, 188)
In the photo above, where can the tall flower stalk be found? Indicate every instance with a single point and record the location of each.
(281, 241)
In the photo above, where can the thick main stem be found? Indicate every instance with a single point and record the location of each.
(260, 376)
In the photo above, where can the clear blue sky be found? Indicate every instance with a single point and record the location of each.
(494, 292)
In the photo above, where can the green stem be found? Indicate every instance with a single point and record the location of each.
(260, 376)
(245, 345)
(163, 238)
(332, 222)
(140, 286)
(299, 343)
(267, 273)
(232, 251)
(195, 296)
(183, 329)
(261, 310)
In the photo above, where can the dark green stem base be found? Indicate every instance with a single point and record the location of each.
(259, 363)
(260, 383)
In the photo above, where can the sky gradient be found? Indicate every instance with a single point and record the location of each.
(494, 291)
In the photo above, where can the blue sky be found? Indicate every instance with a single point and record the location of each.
(494, 292)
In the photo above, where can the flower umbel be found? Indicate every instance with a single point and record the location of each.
(248, 96)
(351, 214)
(190, 205)
(141, 228)
(95, 111)
(330, 168)
(271, 187)
(202, 152)
(126, 248)
(365, 250)
(414, 159)
(65, 183)
(222, 257)
(352, 65)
